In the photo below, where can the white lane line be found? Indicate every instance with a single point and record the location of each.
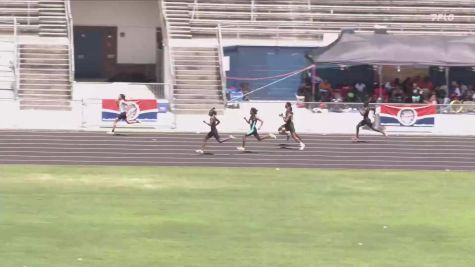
(254, 150)
(175, 135)
(237, 153)
(293, 147)
(207, 163)
(175, 140)
(197, 158)
(157, 143)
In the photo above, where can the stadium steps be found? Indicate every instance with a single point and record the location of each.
(178, 16)
(52, 18)
(25, 11)
(44, 77)
(197, 81)
(7, 56)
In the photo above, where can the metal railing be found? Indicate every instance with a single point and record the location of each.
(454, 107)
(69, 19)
(193, 11)
(16, 63)
(323, 13)
(221, 62)
(168, 50)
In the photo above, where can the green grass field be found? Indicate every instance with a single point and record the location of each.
(110, 217)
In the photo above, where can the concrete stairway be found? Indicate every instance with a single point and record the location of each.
(197, 80)
(44, 77)
(178, 16)
(26, 13)
(7, 59)
(52, 18)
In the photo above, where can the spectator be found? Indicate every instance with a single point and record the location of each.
(426, 83)
(468, 94)
(326, 92)
(397, 95)
(245, 90)
(454, 91)
(379, 94)
(407, 86)
(360, 87)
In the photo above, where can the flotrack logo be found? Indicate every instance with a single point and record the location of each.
(442, 17)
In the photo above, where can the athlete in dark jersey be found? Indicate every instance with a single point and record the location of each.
(288, 125)
(213, 123)
(366, 121)
(252, 121)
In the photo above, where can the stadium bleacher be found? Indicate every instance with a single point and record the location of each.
(7, 57)
(309, 20)
(422, 17)
(42, 49)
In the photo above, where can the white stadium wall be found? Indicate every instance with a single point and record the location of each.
(86, 115)
(137, 19)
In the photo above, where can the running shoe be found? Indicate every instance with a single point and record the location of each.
(272, 136)
(302, 146)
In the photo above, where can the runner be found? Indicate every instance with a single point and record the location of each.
(366, 121)
(124, 108)
(288, 126)
(252, 121)
(213, 122)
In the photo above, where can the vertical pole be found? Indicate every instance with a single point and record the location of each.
(221, 64)
(28, 13)
(252, 10)
(83, 121)
(313, 77)
(380, 78)
(16, 63)
(447, 78)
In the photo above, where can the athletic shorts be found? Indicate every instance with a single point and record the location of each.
(289, 127)
(213, 133)
(122, 116)
(365, 122)
(254, 132)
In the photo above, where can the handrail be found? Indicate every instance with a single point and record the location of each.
(69, 19)
(221, 63)
(28, 13)
(16, 64)
(168, 51)
(253, 5)
(195, 5)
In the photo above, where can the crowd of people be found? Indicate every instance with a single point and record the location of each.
(410, 90)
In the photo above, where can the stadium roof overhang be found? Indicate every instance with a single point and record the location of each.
(401, 50)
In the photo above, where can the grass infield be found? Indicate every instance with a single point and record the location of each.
(53, 216)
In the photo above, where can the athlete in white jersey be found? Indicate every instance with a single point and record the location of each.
(124, 108)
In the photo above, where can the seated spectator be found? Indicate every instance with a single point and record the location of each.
(468, 94)
(326, 91)
(379, 94)
(361, 92)
(305, 90)
(441, 94)
(388, 88)
(245, 90)
(397, 95)
(407, 86)
(426, 83)
(454, 91)
(360, 87)
(344, 90)
(416, 96)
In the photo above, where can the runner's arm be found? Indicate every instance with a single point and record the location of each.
(261, 121)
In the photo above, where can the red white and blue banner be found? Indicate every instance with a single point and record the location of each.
(142, 109)
(403, 115)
